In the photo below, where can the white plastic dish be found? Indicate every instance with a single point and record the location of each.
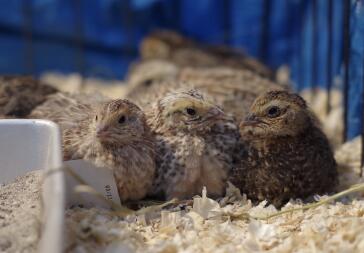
(27, 145)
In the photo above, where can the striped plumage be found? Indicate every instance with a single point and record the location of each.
(185, 52)
(195, 141)
(108, 133)
(283, 153)
(19, 95)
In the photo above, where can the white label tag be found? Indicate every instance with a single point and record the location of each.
(100, 179)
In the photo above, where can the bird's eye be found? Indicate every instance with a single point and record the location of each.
(273, 111)
(191, 111)
(122, 119)
(148, 82)
(96, 117)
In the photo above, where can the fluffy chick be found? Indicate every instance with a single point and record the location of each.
(183, 51)
(110, 134)
(283, 153)
(195, 141)
(19, 95)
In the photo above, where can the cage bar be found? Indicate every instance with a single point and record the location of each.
(301, 63)
(346, 59)
(126, 27)
(362, 125)
(79, 39)
(177, 12)
(314, 46)
(28, 36)
(226, 21)
(264, 36)
(329, 55)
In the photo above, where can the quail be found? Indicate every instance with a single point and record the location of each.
(111, 133)
(195, 141)
(19, 95)
(169, 45)
(282, 153)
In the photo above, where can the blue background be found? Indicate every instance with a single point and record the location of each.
(101, 37)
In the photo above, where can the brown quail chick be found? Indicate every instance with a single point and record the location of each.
(110, 134)
(283, 153)
(195, 141)
(186, 52)
(19, 95)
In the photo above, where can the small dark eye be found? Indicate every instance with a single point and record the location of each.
(122, 119)
(148, 82)
(273, 112)
(191, 111)
(96, 117)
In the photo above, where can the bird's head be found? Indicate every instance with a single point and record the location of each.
(161, 43)
(277, 114)
(118, 122)
(187, 111)
(147, 72)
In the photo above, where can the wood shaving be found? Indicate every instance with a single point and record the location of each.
(206, 226)
(219, 226)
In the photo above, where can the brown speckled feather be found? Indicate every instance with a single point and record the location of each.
(110, 134)
(283, 156)
(19, 95)
(191, 153)
(185, 52)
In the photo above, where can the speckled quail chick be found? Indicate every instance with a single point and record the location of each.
(195, 141)
(184, 52)
(19, 95)
(283, 153)
(110, 134)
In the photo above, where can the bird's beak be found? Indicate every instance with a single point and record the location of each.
(251, 120)
(217, 113)
(101, 131)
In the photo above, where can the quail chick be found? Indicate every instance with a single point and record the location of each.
(195, 141)
(186, 52)
(283, 153)
(19, 95)
(110, 134)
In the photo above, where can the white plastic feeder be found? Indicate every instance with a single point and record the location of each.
(27, 145)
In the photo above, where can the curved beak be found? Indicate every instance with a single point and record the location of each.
(250, 120)
(217, 113)
(101, 131)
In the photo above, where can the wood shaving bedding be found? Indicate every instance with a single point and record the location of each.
(209, 226)
(206, 226)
